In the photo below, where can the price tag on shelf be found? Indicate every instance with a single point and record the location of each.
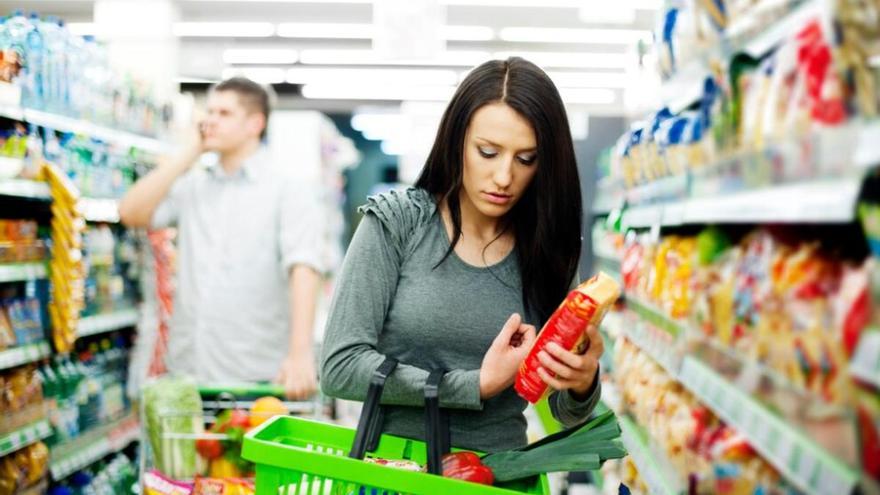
(806, 469)
(762, 432)
(784, 449)
(830, 482)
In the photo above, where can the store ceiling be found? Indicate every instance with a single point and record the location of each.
(586, 45)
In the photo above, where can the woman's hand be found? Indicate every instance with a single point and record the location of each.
(562, 369)
(504, 356)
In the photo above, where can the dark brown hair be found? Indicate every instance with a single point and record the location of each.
(252, 96)
(547, 220)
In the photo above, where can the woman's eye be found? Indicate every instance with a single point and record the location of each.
(527, 160)
(487, 152)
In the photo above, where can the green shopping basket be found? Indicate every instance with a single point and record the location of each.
(295, 456)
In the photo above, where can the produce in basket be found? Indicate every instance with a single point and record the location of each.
(468, 467)
(266, 407)
(585, 305)
(582, 449)
(173, 405)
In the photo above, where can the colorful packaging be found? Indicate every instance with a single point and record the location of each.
(567, 327)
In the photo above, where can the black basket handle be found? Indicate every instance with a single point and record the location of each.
(369, 426)
(437, 436)
(369, 429)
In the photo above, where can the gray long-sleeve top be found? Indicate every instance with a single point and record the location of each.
(392, 301)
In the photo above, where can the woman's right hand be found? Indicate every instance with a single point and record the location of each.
(507, 352)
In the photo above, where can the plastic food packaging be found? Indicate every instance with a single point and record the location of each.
(585, 305)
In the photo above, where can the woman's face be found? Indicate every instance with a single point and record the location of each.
(500, 160)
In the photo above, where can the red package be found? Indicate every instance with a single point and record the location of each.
(587, 304)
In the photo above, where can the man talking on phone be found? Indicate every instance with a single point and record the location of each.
(248, 249)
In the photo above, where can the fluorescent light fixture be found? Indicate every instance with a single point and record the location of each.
(262, 75)
(82, 28)
(224, 29)
(325, 75)
(328, 30)
(587, 96)
(377, 92)
(277, 56)
(589, 79)
(368, 31)
(574, 35)
(367, 122)
(458, 58)
(468, 33)
(563, 4)
(573, 60)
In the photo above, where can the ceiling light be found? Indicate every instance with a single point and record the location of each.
(467, 33)
(322, 75)
(319, 30)
(277, 56)
(589, 79)
(574, 60)
(394, 147)
(459, 58)
(566, 4)
(569, 35)
(262, 75)
(587, 96)
(193, 80)
(224, 29)
(377, 92)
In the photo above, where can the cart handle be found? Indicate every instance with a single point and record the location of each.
(240, 389)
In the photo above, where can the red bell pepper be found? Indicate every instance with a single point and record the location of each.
(468, 467)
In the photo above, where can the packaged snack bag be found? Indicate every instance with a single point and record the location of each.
(585, 305)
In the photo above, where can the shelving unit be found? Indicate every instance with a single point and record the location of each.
(68, 458)
(17, 356)
(23, 188)
(22, 272)
(77, 126)
(23, 437)
(97, 324)
(636, 442)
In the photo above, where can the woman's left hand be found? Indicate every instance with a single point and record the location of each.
(562, 369)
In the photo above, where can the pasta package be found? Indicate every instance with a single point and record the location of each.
(567, 327)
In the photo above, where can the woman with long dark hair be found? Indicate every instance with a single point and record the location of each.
(488, 239)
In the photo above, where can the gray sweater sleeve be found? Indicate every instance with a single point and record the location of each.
(570, 411)
(365, 290)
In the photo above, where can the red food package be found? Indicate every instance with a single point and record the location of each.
(222, 486)
(587, 304)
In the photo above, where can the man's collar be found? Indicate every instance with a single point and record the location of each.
(250, 168)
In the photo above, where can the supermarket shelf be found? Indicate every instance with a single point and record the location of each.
(24, 437)
(67, 124)
(23, 188)
(686, 85)
(806, 465)
(820, 201)
(20, 272)
(17, 356)
(865, 364)
(99, 210)
(69, 457)
(93, 325)
(635, 441)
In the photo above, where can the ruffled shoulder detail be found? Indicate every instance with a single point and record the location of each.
(404, 214)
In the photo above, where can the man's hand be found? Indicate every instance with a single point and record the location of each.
(298, 376)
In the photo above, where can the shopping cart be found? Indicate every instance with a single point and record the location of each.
(296, 456)
(179, 432)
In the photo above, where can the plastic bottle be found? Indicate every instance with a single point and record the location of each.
(32, 92)
(53, 37)
(17, 27)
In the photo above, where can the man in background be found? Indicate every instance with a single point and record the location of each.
(248, 239)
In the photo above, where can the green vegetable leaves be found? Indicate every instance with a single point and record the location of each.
(582, 449)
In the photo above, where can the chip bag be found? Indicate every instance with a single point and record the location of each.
(567, 326)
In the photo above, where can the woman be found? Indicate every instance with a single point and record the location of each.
(490, 232)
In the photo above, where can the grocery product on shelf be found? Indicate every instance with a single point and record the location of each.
(20, 241)
(699, 446)
(116, 475)
(67, 269)
(24, 468)
(21, 402)
(111, 263)
(70, 75)
(21, 321)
